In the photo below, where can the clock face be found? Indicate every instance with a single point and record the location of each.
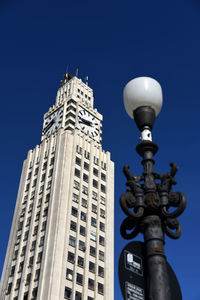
(53, 122)
(88, 123)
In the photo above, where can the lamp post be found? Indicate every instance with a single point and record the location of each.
(149, 196)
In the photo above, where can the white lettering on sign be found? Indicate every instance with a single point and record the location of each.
(133, 292)
(133, 263)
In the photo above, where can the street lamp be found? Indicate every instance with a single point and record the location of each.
(149, 198)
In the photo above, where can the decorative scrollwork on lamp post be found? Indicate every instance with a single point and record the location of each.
(149, 198)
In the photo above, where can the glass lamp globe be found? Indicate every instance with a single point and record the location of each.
(142, 91)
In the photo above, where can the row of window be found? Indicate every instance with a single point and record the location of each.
(91, 286)
(83, 215)
(79, 150)
(86, 179)
(86, 167)
(80, 261)
(81, 245)
(92, 269)
(82, 230)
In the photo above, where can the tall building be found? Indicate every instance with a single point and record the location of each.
(61, 241)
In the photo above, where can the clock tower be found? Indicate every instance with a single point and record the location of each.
(61, 243)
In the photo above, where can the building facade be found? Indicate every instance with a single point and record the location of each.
(61, 243)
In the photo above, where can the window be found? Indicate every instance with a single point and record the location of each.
(33, 245)
(50, 172)
(83, 216)
(94, 195)
(43, 177)
(68, 293)
(12, 271)
(103, 188)
(69, 274)
(103, 165)
(21, 266)
(26, 235)
(18, 283)
(27, 187)
(90, 284)
(90, 298)
(47, 198)
(78, 296)
(52, 161)
(41, 241)
(86, 166)
(30, 207)
(85, 190)
(94, 208)
(101, 255)
(45, 212)
(93, 236)
(44, 166)
(96, 160)
(29, 176)
(25, 296)
(35, 231)
(102, 200)
(95, 183)
(101, 271)
(15, 254)
(37, 274)
(34, 182)
(73, 226)
(84, 202)
(93, 222)
(44, 224)
(70, 257)
(78, 149)
(74, 211)
(76, 185)
(39, 258)
(20, 225)
(81, 246)
(75, 198)
(102, 226)
(102, 213)
(101, 240)
(100, 288)
(80, 261)
(28, 221)
(36, 171)
(92, 251)
(95, 172)
(77, 173)
(72, 241)
(78, 161)
(87, 155)
(30, 261)
(91, 267)
(9, 288)
(103, 176)
(79, 278)
(82, 230)
(39, 202)
(28, 278)
(41, 189)
(85, 177)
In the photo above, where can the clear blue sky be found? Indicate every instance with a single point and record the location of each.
(111, 42)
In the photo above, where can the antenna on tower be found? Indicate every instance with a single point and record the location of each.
(67, 69)
(76, 72)
(86, 80)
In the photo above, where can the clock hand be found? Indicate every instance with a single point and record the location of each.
(48, 126)
(86, 122)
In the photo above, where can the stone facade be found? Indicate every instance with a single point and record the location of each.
(61, 243)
